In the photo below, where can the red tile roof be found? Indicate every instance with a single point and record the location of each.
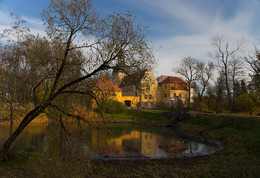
(171, 79)
(183, 80)
(105, 84)
(181, 83)
(133, 79)
(164, 76)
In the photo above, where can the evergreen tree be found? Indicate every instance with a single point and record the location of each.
(238, 89)
(243, 87)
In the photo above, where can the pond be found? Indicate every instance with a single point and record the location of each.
(115, 141)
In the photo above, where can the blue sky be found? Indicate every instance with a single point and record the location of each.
(177, 28)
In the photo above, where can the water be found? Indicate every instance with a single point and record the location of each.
(116, 141)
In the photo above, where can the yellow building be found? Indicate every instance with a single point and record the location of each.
(143, 90)
(139, 90)
(173, 89)
(106, 89)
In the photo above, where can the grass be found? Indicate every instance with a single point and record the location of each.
(147, 116)
(244, 126)
(241, 158)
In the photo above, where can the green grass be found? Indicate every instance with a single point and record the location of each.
(247, 127)
(144, 115)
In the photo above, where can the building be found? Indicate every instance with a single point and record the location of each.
(143, 90)
(173, 90)
(106, 89)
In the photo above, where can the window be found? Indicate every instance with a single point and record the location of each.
(150, 97)
(174, 94)
(176, 85)
(165, 86)
(145, 97)
(165, 95)
(148, 87)
(180, 95)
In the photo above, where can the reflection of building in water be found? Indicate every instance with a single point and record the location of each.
(135, 142)
(156, 145)
(149, 144)
(115, 145)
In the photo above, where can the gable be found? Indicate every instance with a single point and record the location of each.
(105, 84)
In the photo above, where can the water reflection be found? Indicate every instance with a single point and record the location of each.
(148, 145)
(32, 136)
(114, 141)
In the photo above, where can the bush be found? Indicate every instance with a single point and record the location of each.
(111, 107)
(245, 103)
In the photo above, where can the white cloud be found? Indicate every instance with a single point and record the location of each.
(35, 25)
(202, 23)
(5, 18)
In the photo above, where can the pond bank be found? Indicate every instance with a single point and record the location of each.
(40, 120)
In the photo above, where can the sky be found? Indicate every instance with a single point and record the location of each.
(177, 28)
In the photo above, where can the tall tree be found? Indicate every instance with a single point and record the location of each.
(189, 69)
(205, 75)
(77, 26)
(243, 87)
(236, 70)
(222, 55)
(216, 93)
(12, 58)
(253, 60)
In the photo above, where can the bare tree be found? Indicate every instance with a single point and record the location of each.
(78, 26)
(222, 55)
(205, 75)
(253, 60)
(236, 70)
(189, 69)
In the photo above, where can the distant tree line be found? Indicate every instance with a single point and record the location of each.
(229, 82)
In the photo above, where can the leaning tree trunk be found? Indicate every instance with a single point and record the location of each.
(27, 119)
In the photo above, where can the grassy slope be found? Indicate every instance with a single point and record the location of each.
(240, 158)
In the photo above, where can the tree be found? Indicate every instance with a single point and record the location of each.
(189, 69)
(205, 75)
(11, 60)
(253, 60)
(245, 103)
(238, 89)
(11, 74)
(243, 87)
(75, 25)
(216, 93)
(235, 71)
(223, 55)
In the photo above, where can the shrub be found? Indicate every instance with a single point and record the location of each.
(245, 103)
(111, 106)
